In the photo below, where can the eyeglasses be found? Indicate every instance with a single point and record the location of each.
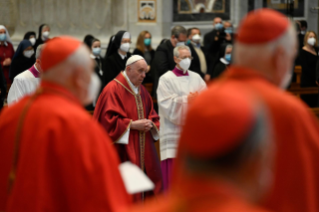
(191, 58)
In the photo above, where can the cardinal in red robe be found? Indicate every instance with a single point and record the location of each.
(219, 173)
(264, 54)
(125, 109)
(53, 155)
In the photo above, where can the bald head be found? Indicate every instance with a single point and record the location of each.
(136, 72)
(217, 20)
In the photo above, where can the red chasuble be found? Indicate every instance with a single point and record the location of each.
(65, 160)
(116, 108)
(296, 133)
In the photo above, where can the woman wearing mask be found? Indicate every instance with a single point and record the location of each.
(117, 55)
(6, 53)
(44, 32)
(144, 49)
(224, 60)
(22, 59)
(308, 59)
(31, 37)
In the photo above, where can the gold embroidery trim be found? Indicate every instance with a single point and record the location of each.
(125, 87)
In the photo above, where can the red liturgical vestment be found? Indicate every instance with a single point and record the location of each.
(116, 108)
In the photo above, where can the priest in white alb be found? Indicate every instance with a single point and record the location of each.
(26, 82)
(176, 89)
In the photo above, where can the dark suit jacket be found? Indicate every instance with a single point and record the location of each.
(148, 78)
(195, 65)
(162, 62)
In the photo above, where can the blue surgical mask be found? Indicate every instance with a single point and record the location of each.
(229, 30)
(228, 57)
(219, 26)
(96, 51)
(3, 37)
(147, 41)
(188, 42)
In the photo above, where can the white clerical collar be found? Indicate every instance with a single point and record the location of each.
(223, 60)
(36, 68)
(122, 56)
(135, 89)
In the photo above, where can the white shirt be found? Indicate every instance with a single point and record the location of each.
(172, 93)
(23, 84)
(122, 56)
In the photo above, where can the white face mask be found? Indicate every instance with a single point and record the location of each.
(125, 47)
(46, 34)
(303, 32)
(185, 64)
(180, 44)
(93, 90)
(28, 53)
(196, 38)
(32, 40)
(311, 41)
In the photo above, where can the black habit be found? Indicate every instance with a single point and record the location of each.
(114, 63)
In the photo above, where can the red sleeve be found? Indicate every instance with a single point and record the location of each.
(110, 112)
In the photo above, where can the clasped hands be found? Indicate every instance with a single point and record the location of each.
(143, 125)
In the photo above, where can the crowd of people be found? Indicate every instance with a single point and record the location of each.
(230, 138)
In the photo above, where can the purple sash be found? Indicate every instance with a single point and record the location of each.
(179, 73)
(34, 71)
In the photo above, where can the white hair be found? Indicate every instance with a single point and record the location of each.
(80, 58)
(39, 51)
(245, 53)
(177, 48)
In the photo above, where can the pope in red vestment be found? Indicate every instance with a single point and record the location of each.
(296, 131)
(53, 155)
(122, 103)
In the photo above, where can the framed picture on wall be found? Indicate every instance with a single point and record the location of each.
(146, 11)
(281, 6)
(200, 10)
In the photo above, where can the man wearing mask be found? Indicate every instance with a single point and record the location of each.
(263, 64)
(125, 110)
(229, 31)
(164, 59)
(176, 90)
(53, 155)
(213, 41)
(199, 62)
(26, 82)
(117, 54)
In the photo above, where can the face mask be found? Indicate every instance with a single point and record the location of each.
(229, 30)
(94, 88)
(228, 57)
(125, 47)
(32, 40)
(303, 32)
(3, 37)
(46, 34)
(312, 41)
(96, 51)
(286, 80)
(188, 42)
(28, 53)
(147, 41)
(218, 26)
(196, 38)
(185, 64)
(180, 44)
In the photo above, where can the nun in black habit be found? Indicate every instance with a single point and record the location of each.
(44, 32)
(31, 36)
(116, 55)
(224, 60)
(22, 59)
